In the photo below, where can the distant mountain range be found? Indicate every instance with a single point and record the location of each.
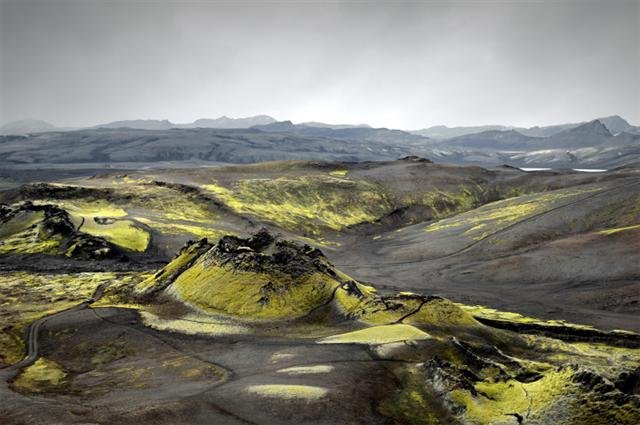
(614, 124)
(601, 143)
(222, 122)
(29, 126)
(334, 126)
(226, 122)
(588, 145)
(139, 124)
(591, 134)
(106, 145)
(346, 133)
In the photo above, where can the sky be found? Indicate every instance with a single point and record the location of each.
(396, 64)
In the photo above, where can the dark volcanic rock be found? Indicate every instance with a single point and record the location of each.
(49, 191)
(415, 158)
(263, 252)
(629, 382)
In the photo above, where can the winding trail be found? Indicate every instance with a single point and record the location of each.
(32, 354)
(34, 331)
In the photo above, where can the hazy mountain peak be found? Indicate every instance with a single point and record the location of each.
(615, 124)
(333, 126)
(143, 124)
(445, 132)
(277, 126)
(592, 127)
(27, 125)
(227, 122)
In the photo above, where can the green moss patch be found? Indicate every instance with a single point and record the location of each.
(288, 392)
(307, 370)
(249, 294)
(411, 404)
(618, 229)
(486, 220)
(378, 335)
(497, 402)
(124, 233)
(308, 204)
(42, 376)
(24, 233)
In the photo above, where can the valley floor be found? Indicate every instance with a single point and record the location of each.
(108, 317)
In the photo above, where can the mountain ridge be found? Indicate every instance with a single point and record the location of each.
(614, 123)
(29, 126)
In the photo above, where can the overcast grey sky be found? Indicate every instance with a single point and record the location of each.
(402, 65)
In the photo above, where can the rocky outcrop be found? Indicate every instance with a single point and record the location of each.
(415, 158)
(49, 191)
(263, 253)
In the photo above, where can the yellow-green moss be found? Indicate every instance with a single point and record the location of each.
(496, 400)
(31, 241)
(308, 204)
(194, 324)
(87, 208)
(339, 173)
(441, 313)
(444, 204)
(604, 359)
(287, 392)
(307, 370)
(123, 233)
(409, 403)
(44, 375)
(618, 229)
(485, 220)
(212, 288)
(383, 334)
(368, 307)
(160, 203)
(24, 234)
(409, 308)
(507, 316)
(149, 200)
(128, 375)
(612, 216)
(26, 297)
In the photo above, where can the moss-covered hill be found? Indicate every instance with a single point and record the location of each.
(268, 278)
(457, 364)
(275, 330)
